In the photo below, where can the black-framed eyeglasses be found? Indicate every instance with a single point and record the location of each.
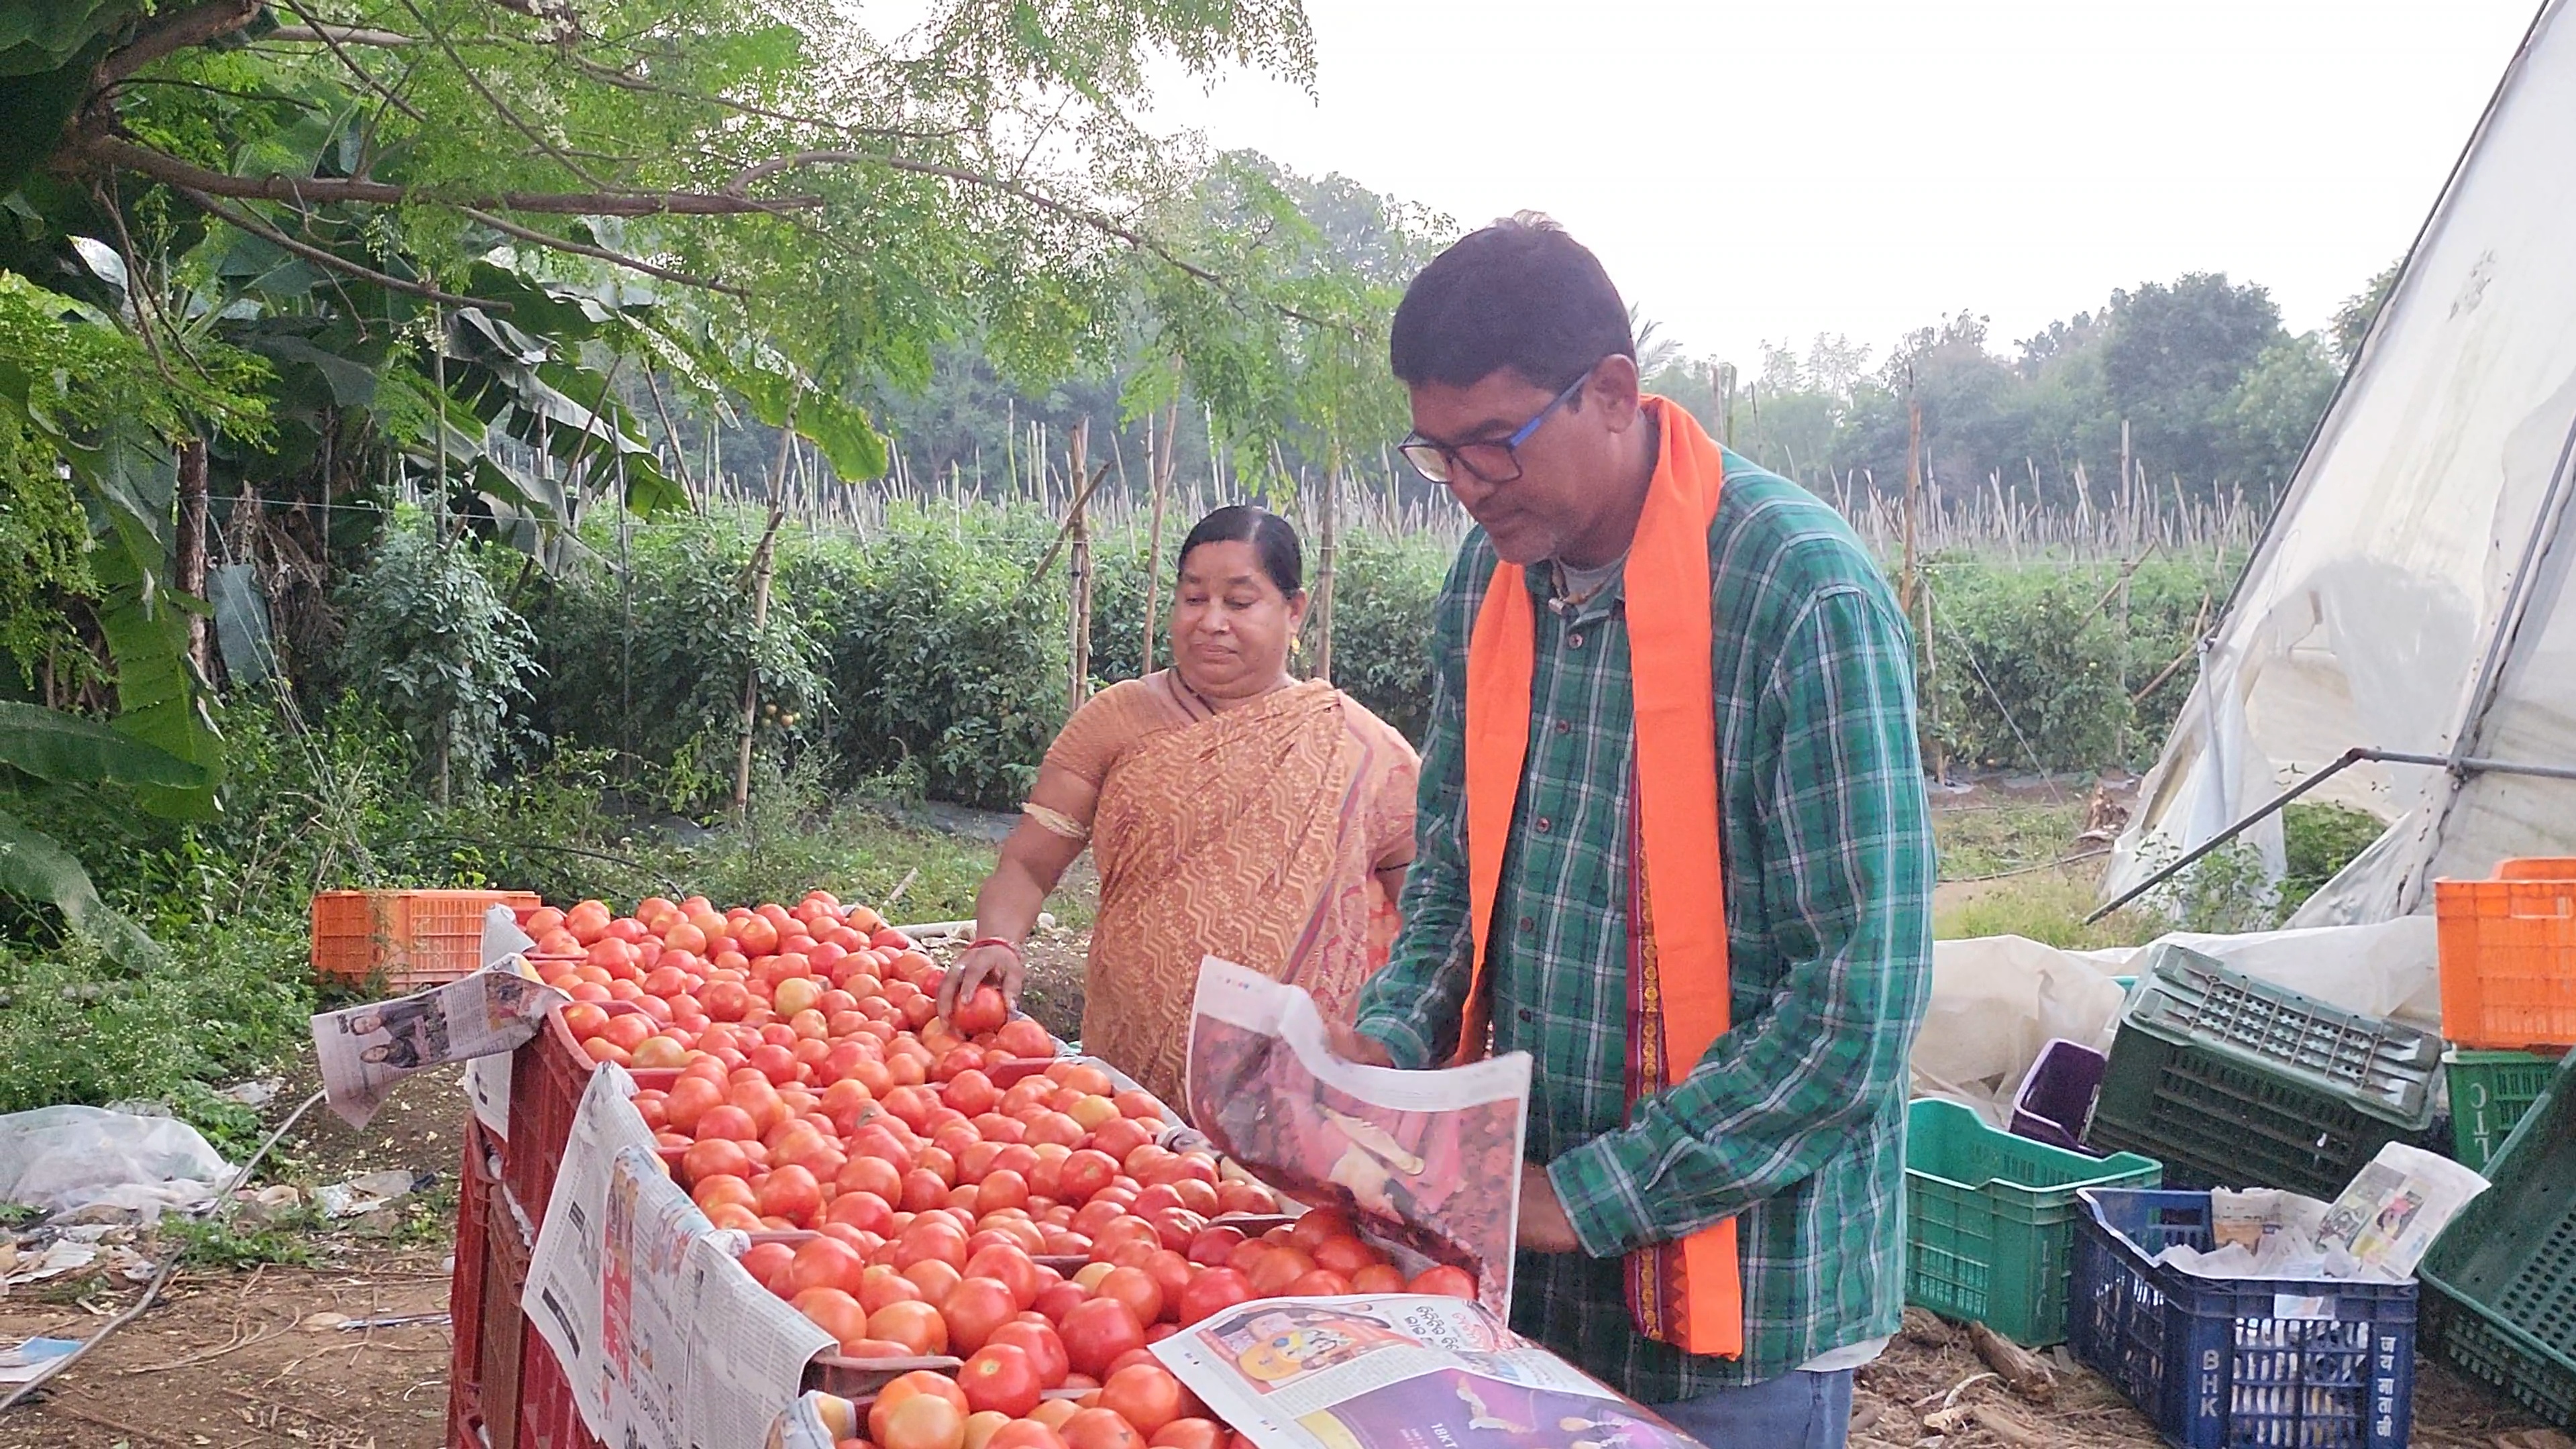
(1495, 461)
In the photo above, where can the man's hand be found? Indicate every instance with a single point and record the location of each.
(1544, 1226)
(1351, 1046)
(985, 965)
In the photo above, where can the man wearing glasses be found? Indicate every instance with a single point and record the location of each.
(1674, 844)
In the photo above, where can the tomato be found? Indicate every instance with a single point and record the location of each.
(1245, 1197)
(1097, 1429)
(1040, 1343)
(1189, 1434)
(1097, 1330)
(981, 1426)
(1318, 1283)
(1378, 1278)
(1022, 1036)
(1025, 1434)
(933, 1237)
(790, 1192)
(1278, 1268)
(1345, 1256)
(1319, 1226)
(824, 1263)
(971, 1092)
(1010, 1266)
(688, 1100)
(1001, 1377)
(1171, 1273)
(1053, 1413)
(1059, 1299)
(1212, 1246)
(1002, 1189)
(1120, 1137)
(974, 1309)
(880, 1285)
(768, 1264)
(870, 1175)
(725, 1122)
(936, 1280)
(1213, 1291)
(1134, 1287)
(915, 1323)
(1445, 1280)
(924, 1421)
(1145, 1395)
(862, 1210)
(983, 1011)
(833, 1311)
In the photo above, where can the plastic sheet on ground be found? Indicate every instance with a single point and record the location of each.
(64, 1158)
(1997, 1000)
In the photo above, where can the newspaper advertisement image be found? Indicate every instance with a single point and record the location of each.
(1398, 1371)
(365, 1050)
(1414, 1158)
(664, 1338)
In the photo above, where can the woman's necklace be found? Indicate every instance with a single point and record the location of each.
(1204, 703)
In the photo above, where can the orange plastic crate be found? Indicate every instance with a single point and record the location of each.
(2509, 956)
(413, 939)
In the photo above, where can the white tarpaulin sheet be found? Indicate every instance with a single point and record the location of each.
(2411, 595)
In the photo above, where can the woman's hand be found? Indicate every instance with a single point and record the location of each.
(989, 964)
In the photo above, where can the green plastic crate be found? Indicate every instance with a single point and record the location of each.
(2501, 1279)
(2489, 1093)
(2234, 1082)
(1989, 1220)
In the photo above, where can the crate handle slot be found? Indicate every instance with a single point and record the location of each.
(2556, 908)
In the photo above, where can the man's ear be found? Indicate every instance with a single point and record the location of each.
(1617, 390)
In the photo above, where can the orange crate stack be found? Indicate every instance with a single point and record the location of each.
(2508, 956)
(414, 939)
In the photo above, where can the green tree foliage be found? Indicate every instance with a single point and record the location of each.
(2352, 320)
(431, 642)
(2217, 396)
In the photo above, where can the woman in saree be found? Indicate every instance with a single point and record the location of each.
(1231, 808)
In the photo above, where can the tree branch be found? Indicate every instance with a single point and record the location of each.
(566, 244)
(333, 260)
(115, 151)
(349, 62)
(498, 104)
(339, 35)
(186, 28)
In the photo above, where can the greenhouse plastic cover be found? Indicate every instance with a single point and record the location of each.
(2412, 594)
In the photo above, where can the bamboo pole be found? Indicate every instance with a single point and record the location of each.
(1078, 567)
(764, 559)
(1161, 468)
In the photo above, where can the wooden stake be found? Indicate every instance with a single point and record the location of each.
(1078, 567)
(1161, 467)
(1328, 537)
(191, 545)
(764, 560)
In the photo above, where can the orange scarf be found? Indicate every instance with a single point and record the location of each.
(1689, 1294)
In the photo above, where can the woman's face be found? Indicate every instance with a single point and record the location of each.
(1230, 624)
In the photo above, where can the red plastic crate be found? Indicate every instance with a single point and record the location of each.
(475, 1184)
(2508, 956)
(548, 1417)
(411, 939)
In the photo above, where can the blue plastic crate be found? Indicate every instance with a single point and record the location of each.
(2219, 1363)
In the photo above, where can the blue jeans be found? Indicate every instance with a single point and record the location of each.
(1797, 1410)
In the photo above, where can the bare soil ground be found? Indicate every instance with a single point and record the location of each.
(244, 1353)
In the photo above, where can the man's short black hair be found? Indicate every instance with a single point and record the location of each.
(1521, 294)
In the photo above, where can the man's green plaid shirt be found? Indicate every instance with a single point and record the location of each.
(1793, 1123)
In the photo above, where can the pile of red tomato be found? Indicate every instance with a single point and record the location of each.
(911, 1203)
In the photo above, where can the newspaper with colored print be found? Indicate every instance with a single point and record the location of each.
(1398, 1371)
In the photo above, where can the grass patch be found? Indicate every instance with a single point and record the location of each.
(287, 1238)
(2048, 908)
(1978, 841)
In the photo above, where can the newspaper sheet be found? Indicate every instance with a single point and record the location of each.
(666, 1341)
(809, 1423)
(2396, 1206)
(365, 1050)
(487, 1079)
(1429, 1162)
(1402, 1371)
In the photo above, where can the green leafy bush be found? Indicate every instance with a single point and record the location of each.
(431, 642)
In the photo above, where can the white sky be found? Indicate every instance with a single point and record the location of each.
(1770, 169)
